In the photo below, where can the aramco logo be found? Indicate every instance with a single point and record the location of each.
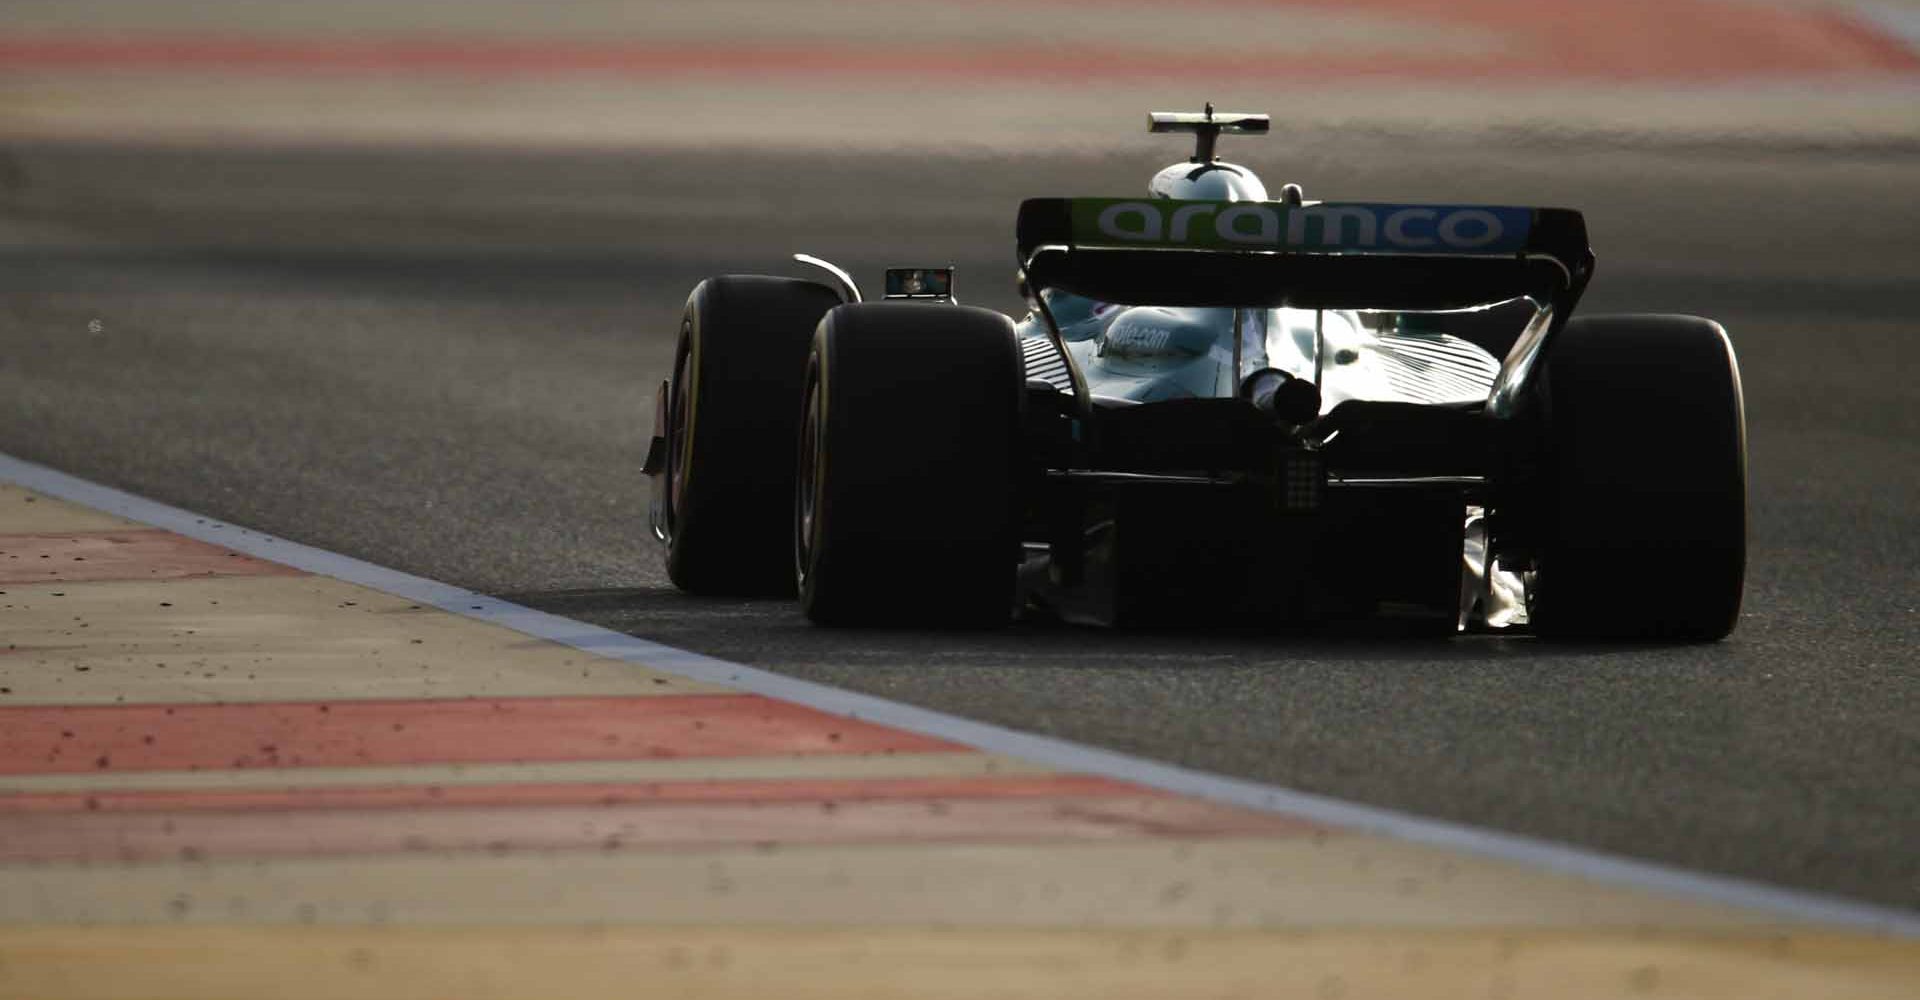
(1261, 226)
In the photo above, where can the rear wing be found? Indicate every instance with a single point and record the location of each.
(1315, 256)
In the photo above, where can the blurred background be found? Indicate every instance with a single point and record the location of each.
(1419, 86)
(399, 277)
(922, 74)
(364, 123)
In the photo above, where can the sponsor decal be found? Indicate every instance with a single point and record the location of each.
(1326, 227)
(1129, 338)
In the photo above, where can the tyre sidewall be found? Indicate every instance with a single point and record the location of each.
(1642, 510)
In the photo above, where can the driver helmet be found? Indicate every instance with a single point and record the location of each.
(1216, 180)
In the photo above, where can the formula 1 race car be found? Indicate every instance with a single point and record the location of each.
(1222, 407)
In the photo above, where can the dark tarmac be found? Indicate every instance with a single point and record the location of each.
(443, 361)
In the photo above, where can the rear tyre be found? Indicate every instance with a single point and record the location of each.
(906, 507)
(1643, 515)
(733, 413)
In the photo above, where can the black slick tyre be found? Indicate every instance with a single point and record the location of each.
(733, 414)
(1643, 502)
(906, 509)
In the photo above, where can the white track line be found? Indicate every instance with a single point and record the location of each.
(1787, 903)
(1900, 22)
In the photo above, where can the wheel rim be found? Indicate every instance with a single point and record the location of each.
(681, 441)
(807, 474)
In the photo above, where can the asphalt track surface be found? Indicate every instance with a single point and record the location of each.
(443, 361)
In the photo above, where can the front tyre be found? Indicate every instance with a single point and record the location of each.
(1643, 507)
(906, 504)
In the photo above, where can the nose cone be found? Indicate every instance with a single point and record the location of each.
(1215, 181)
